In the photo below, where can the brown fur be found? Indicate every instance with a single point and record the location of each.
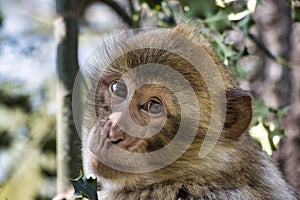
(234, 169)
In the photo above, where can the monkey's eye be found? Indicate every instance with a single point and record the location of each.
(119, 88)
(153, 107)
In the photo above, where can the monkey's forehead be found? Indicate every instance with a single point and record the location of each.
(153, 44)
(167, 47)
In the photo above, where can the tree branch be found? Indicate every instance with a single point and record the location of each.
(119, 10)
(278, 59)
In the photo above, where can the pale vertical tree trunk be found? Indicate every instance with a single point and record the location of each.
(68, 141)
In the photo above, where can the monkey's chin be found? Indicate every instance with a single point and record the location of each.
(101, 170)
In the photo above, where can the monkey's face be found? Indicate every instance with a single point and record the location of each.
(154, 108)
(136, 113)
(147, 115)
(129, 114)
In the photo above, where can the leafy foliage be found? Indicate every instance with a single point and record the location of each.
(296, 10)
(218, 19)
(13, 100)
(153, 4)
(6, 139)
(267, 132)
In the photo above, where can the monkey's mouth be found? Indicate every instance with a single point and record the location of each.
(104, 152)
(116, 142)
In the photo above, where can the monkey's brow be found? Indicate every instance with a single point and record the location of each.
(112, 72)
(109, 74)
(113, 69)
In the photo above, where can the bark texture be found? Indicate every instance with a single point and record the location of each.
(279, 85)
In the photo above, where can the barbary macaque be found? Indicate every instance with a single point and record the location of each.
(167, 120)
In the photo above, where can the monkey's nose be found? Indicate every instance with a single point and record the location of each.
(116, 135)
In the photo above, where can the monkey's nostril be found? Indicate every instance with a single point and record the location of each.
(116, 135)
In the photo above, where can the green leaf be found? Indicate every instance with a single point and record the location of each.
(296, 14)
(219, 21)
(85, 187)
(246, 23)
(282, 111)
(260, 134)
(260, 109)
(153, 4)
(201, 9)
(223, 50)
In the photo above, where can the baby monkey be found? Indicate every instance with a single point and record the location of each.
(166, 120)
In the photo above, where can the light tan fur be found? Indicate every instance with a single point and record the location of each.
(234, 169)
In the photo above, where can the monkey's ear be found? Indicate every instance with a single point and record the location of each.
(238, 113)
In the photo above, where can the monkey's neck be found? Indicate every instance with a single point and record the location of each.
(168, 190)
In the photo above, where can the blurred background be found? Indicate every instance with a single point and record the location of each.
(43, 43)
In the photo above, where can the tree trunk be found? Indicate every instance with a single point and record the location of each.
(68, 141)
(289, 154)
(273, 26)
(279, 85)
